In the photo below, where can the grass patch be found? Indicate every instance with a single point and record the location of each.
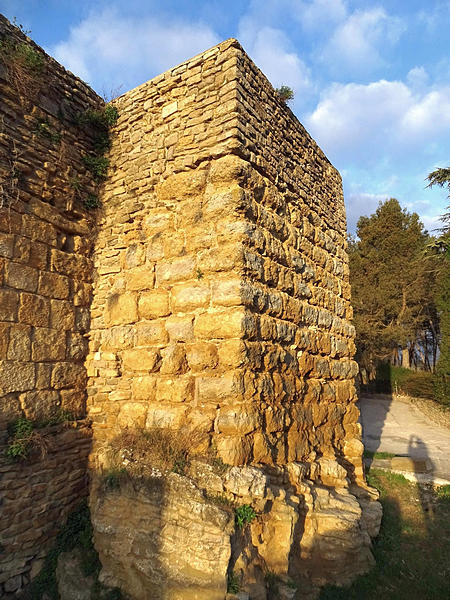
(370, 454)
(412, 551)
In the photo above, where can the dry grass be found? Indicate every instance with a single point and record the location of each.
(154, 452)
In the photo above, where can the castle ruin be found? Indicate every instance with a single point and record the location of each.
(209, 292)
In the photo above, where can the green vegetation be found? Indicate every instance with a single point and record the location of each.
(244, 514)
(97, 165)
(370, 454)
(98, 124)
(233, 585)
(112, 478)
(44, 129)
(24, 437)
(285, 93)
(400, 281)
(398, 380)
(91, 201)
(412, 551)
(24, 65)
(164, 449)
(199, 274)
(77, 533)
(439, 250)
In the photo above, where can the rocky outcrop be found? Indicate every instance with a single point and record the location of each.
(175, 537)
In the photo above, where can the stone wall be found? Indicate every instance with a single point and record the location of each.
(46, 235)
(36, 498)
(222, 305)
(222, 294)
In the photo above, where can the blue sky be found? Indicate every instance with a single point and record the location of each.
(371, 79)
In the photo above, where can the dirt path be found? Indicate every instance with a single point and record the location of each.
(398, 426)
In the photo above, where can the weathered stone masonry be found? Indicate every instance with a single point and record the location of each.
(220, 302)
(46, 236)
(222, 293)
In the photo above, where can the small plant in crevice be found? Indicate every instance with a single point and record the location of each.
(91, 201)
(26, 439)
(97, 123)
(244, 515)
(44, 129)
(199, 274)
(285, 93)
(113, 478)
(233, 585)
(272, 582)
(97, 165)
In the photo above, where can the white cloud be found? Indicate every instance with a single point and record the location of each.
(355, 46)
(360, 203)
(271, 50)
(316, 14)
(109, 48)
(417, 78)
(358, 121)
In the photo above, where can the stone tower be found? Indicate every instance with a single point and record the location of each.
(222, 304)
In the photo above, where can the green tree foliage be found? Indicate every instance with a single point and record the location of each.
(439, 251)
(392, 285)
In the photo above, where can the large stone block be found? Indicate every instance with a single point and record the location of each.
(121, 309)
(154, 304)
(53, 285)
(34, 310)
(217, 325)
(48, 344)
(179, 269)
(151, 333)
(16, 376)
(9, 301)
(62, 315)
(140, 278)
(69, 375)
(19, 347)
(201, 356)
(188, 297)
(21, 277)
(39, 405)
(142, 359)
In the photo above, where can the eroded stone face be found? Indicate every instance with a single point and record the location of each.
(222, 304)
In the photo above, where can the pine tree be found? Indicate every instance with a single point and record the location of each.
(392, 288)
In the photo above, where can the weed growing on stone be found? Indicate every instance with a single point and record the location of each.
(25, 439)
(272, 582)
(285, 93)
(97, 165)
(244, 514)
(113, 478)
(91, 201)
(43, 129)
(154, 452)
(199, 274)
(233, 585)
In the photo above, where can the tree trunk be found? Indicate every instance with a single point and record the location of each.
(405, 358)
